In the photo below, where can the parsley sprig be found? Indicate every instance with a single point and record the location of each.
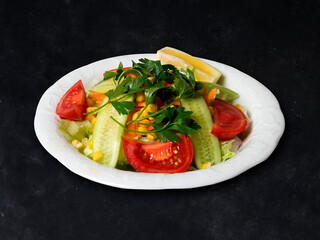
(154, 80)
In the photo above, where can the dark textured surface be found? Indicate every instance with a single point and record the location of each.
(276, 42)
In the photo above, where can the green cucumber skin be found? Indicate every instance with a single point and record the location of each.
(224, 94)
(206, 146)
(103, 86)
(108, 139)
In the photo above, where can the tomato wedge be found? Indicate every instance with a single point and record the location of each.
(158, 157)
(72, 105)
(228, 121)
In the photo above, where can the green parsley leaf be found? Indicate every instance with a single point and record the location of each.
(136, 84)
(150, 91)
(119, 71)
(154, 67)
(123, 107)
(141, 69)
(109, 94)
(176, 119)
(191, 77)
(182, 88)
(108, 75)
(120, 89)
(192, 124)
(165, 135)
(120, 68)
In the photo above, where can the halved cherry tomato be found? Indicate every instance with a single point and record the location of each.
(228, 121)
(158, 157)
(73, 103)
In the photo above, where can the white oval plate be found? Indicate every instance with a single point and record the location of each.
(266, 130)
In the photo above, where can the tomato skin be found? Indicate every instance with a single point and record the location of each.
(228, 121)
(116, 69)
(151, 158)
(72, 105)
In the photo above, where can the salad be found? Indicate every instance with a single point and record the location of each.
(159, 116)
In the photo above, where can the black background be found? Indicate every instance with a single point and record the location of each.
(276, 42)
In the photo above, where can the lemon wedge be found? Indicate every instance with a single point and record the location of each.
(203, 71)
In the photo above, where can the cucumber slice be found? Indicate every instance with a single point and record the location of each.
(224, 93)
(206, 146)
(103, 86)
(107, 133)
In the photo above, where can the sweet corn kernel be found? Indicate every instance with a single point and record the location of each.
(93, 120)
(97, 156)
(152, 136)
(140, 97)
(90, 143)
(90, 109)
(152, 108)
(144, 113)
(77, 144)
(142, 129)
(90, 117)
(144, 121)
(135, 115)
(206, 165)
